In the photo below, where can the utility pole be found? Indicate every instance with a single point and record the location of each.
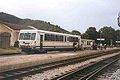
(118, 19)
(100, 41)
(100, 37)
(111, 42)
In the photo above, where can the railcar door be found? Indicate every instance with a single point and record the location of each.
(41, 41)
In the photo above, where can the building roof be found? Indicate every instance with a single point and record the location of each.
(15, 26)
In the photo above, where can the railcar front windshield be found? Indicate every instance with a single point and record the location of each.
(27, 36)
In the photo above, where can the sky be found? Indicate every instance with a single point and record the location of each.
(68, 14)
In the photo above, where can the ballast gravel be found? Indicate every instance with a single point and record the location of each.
(16, 62)
(47, 75)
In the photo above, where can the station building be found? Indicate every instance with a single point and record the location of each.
(9, 33)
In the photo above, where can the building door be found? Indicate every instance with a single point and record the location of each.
(5, 40)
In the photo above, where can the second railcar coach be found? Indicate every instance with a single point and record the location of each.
(86, 43)
(45, 40)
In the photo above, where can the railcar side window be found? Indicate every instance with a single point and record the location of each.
(52, 37)
(75, 39)
(61, 38)
(47, 37)
(57, 38)
(72, 39)
(33, 36)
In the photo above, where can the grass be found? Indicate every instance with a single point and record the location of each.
(9, 50)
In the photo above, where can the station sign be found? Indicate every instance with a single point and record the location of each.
(102, 39)
(117, 41)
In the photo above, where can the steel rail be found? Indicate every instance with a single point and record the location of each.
(39, 68)
(82, 75)
(17, 73)
(92, 74)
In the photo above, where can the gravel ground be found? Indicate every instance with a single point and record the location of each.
(15, 62)
(46, 75)
(27, 58)
(112, 72)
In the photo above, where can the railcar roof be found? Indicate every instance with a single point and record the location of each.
(42, 31)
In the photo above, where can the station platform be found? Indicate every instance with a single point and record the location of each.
(20, 61)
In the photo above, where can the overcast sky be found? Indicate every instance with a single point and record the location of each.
(69, 14)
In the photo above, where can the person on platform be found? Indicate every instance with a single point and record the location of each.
(16, 44)
(100, 46)
(75, 46)
(94, 46)
(91, 45)
(105, 46)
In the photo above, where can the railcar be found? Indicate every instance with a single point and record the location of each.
(86, 43)
(45, 40)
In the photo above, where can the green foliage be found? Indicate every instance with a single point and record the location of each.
(9, 18)
(68, 33)
(117, 35)
(92, 33)
(108, 33)
(75, 32)
(85, 36)
(28, 22)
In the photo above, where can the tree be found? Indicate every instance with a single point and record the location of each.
(109, 34)
(39, 24)
(68, 32)
(117, 35)
(92, 33)
(85, 36)
(75, 32)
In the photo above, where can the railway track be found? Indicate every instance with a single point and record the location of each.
(88, 72)
(18, 73)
